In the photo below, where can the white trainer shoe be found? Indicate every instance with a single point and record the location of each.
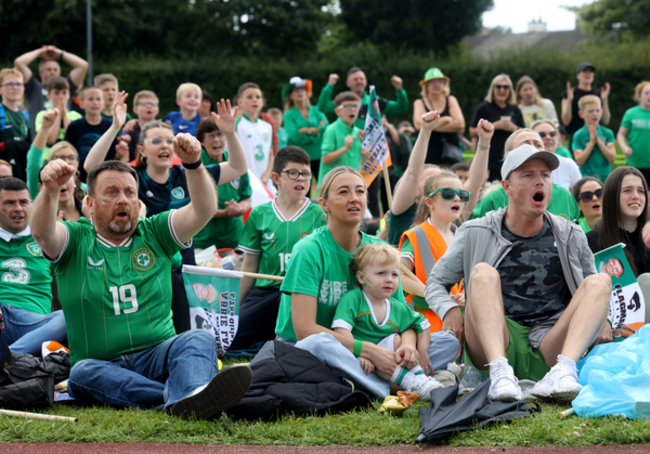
(560, 384)
(423, 385)
(504, 385)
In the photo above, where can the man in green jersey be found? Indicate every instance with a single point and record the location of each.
(115, 289)
(271, 231)
(25, 278)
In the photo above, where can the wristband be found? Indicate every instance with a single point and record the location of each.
(483, 147)
(194, 165)
(61, 56)
(357, 348)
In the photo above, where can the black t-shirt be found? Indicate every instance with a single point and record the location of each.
(83, 136)
(532, 281)
(635, 245)
(576, 121)
(492, 112)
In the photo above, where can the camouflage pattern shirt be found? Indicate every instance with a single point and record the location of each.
(532, 281)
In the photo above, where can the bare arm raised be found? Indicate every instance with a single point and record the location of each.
(237, 164)
(97, 153)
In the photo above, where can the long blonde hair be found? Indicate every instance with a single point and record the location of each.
(490, 94)
(432, 183)
(528, 80)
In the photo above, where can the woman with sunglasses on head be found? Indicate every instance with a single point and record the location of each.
(568, 173)
(500, 109)
(625, 213)
(588, 192)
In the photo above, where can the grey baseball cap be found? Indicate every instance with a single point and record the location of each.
(522, 154)
(584, 65)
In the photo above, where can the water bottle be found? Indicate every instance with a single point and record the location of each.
(469, 378)
(229, 263)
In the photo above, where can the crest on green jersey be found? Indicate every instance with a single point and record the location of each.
(235, 183)
(178, 193)
(34, 249)
(143, 259)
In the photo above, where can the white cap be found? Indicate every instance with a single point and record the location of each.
(522, 154)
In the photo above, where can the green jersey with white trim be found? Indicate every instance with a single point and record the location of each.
(117, 299)
(25, 276)
(269, 234)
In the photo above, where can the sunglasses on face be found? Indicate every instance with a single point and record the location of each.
(449, 194)
(587, 196)
(543, 134)
(502, 87)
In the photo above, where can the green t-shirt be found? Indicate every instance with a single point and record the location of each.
(270, 235)
(117, 299)
(16, 126)
(355, 313)
(319, 268)
(398, 224)
(72, 115)
(637, 121)
(596, 165)
(582, 222)
(224, 232)
(283, 138)
(564, 151)
(407, 251)
(562, 203)
(293, 121)
(334, 139)
(26, 281)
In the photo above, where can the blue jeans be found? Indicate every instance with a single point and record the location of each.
(25, 331)
(444, 349)
(159, 375)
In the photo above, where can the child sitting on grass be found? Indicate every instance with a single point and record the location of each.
(369, 313)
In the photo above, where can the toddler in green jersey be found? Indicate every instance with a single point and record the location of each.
(371, 314)
(271, 231)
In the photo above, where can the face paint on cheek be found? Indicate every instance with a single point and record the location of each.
(104, 202)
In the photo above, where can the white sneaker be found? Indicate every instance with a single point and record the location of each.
(504, 385)
(423, 385)
(560, 384)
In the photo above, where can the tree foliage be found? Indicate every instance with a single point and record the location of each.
(166, 27)
(419, 25)
(604, 16)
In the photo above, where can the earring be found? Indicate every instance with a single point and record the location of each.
(143, 160)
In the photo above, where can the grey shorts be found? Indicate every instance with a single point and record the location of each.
(537, 332)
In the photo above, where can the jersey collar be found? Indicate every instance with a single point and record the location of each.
(108, 244)
(8, 236)
(297, 214)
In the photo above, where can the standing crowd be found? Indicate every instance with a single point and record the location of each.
(487, 262)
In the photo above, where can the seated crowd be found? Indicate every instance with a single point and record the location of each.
(100, 210)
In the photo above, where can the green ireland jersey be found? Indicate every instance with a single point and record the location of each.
(117, 299)
(320, 268)
(25, 276)
(269, 234)
(355, 313)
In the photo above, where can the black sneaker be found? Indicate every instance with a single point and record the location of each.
(224, 391)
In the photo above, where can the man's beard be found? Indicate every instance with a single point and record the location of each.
(114, 227)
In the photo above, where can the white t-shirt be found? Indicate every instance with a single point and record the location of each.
(567, 174)
(533, 113)
(256, 139)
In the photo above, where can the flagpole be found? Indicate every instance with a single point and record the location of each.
(389, 196)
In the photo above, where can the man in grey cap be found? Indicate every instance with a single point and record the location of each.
(534, 297)
(585, 74)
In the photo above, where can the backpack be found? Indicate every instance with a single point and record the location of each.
(3, 118)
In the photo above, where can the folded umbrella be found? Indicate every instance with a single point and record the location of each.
(445, 416)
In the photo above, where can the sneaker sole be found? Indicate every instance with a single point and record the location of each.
(557, 396)
(223, 392)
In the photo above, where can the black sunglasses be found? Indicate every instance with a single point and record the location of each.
(587, 196)
(542, 134)
(450, 193)
(502, 87)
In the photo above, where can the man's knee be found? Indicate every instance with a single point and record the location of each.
(599, 284)
(482, 273)
(82, 371)
(200, 338)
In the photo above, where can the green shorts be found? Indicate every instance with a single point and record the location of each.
(526, 361)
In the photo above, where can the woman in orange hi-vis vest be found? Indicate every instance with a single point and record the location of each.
(443, 202)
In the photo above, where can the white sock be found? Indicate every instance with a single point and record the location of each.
(402, 377)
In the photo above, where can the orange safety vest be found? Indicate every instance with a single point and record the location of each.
(428, 248)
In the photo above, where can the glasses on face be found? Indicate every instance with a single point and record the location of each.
(294, 174)
(66, 158)
(213, 135)
(159, 140)
(543, 134)
(348, 106)
(13, 84)
(502, 87)
(587, 196)
(450, 193)
(148, 104)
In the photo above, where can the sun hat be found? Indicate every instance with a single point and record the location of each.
(433, 73)
(517, 157)
(296, 82)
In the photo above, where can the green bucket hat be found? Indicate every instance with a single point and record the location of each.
(295, 82)
(433, 73)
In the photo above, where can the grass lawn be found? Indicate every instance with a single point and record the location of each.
(365, 428)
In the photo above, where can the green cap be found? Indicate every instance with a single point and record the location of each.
(295, 82)
(433, 73)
